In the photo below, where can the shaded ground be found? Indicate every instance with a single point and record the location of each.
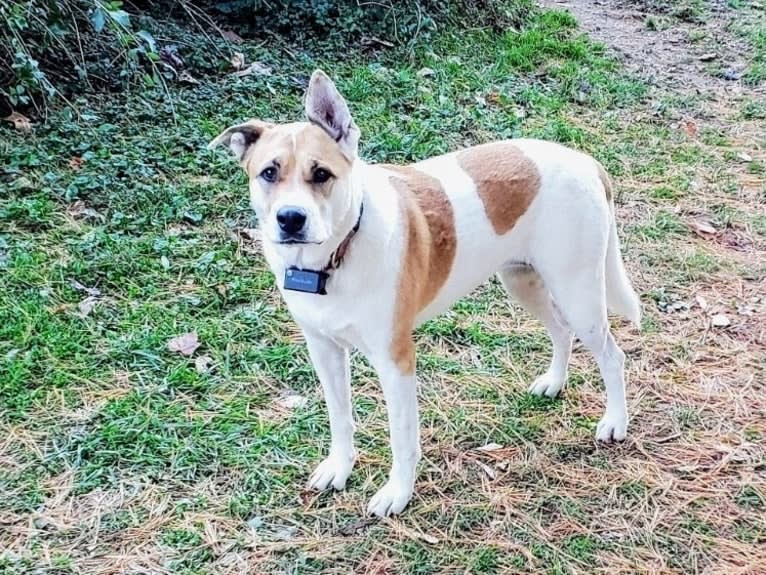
(118, 456)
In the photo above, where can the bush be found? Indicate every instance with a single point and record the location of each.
(398, 21)
(48, 47)
(51, 49)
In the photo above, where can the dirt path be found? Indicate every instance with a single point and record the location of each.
(683, 46)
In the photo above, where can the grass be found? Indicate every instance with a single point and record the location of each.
(117, 455)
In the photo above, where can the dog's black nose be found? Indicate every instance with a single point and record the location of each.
(291, 219)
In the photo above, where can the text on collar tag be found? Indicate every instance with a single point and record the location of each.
(307, 281)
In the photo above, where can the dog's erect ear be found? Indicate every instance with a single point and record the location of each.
(240, 137)
(326, 108)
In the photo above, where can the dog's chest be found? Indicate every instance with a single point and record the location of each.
(329, 315)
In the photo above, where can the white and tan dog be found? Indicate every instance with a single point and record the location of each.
(397, 245)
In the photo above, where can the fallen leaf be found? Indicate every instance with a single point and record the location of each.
(232, 36)
(487, 469)
(417, 534)
(79, 210)
(489, 447)
(185, 344)
(720, 320)
(257, 69)
(19, 121)
(690, 128)
(203, 364)
(237, 61)
(293, 401)
(494, 97)
(187, 78)
(76, 162)
(703, 229)
(169, 55)
(86, 306)
(88, 290)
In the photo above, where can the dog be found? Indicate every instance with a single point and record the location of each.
(364, 253)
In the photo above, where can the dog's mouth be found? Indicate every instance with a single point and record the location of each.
(296, 242)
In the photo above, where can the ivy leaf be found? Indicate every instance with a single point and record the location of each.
(121, 17)
(148, 38)
(98, 19)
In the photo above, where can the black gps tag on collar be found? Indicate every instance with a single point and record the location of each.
(305, 280)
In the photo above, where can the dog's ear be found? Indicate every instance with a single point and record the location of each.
(239, 138)
(326, 108)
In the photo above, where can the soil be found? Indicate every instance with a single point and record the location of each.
(669, 47)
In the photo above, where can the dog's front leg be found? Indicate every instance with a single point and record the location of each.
(400, 392)
(332, 365)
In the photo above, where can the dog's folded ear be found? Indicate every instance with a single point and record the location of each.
(326, 108)
(239, 138)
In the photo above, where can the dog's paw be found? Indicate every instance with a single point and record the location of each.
(548, 384)
(333, 471)
(612, 427)
(390, 500)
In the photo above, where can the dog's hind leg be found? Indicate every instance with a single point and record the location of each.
(580, 295)
(332, 365)
(527, 287)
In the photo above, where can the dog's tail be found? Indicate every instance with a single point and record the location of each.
(621, 298)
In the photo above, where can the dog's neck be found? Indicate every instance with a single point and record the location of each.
(336, 258)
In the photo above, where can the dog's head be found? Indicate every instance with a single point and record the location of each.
(300, 173)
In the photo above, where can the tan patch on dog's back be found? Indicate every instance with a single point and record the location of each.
(506, 180)
(430, 244)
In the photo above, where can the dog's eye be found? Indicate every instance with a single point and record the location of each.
(320, 176)
(269, 174)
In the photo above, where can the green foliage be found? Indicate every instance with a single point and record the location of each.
(46, 47)
(54, 49)
(398, 22)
